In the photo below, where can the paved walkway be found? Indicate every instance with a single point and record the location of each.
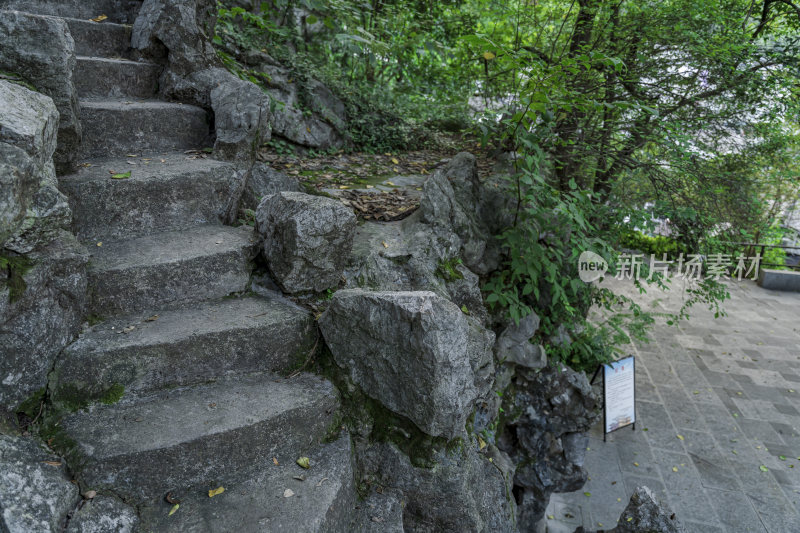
(718, 406)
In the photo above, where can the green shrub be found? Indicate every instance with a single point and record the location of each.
(657, 246)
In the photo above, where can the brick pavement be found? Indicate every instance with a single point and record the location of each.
(731, 388)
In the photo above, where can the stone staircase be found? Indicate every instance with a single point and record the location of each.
(197, 360)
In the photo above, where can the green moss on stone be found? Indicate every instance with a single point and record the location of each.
(113, 394)
(14, 267)
(448, 271)
(362, 413)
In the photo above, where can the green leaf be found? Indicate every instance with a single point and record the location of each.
(763, 468)
(122, 176)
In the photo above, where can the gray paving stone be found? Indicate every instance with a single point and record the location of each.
(740, 516)
(776, 512)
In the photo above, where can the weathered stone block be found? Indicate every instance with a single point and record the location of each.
(41, 50)
(103, 514)
(35, 496)
(307, 240)
(463, 492)
(415, 352)
(44, 318)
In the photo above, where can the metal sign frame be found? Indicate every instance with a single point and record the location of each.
(602, 367)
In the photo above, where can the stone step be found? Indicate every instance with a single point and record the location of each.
(323, 502)
(164, 193)
(119, 126)
(169, 269)
(123, 11)
(103, 39)
(183, 347)
(102, 77)
(207, 435)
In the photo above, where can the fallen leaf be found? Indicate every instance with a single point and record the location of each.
(763, 468)
(481, 443)
(288, 493)
(551, 517)
(782, 457)
(384, 244)
(587, 494)
(151, 318)
(53, 463)
(99, 18)
(216, 491)
(680, 437)
(304, 462)
(619, 499)
(674, 468)
(395, 161)
(275, 461)
(169, 498)
(299, 478)
(174, 509)
(121, 176)
(630, 518)
(390, 184)
(635, 464)
(99, 244)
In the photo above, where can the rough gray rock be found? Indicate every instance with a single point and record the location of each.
(389, 340)
(554, 408)
(34, 496)
(407, 255)
(307, 240)
(380, 512)
(184, 29)
(645, 514)
(464, 491)
(241, 113)
(46, 317)
(41, 50)
(265, 180)
(451, 199)
(321, 130)
(648, 515)
(103, 514)
(32, 210)
(513, 344)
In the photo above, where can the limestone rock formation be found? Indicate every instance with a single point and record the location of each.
(181, 30)
(645, 513)
(513, 344)
(42, 293)
(415, 352)
(552, 409)
(32, 209)
(306, 240)
(465, 491)
(41, 50)
(35, 493)
(265, 180)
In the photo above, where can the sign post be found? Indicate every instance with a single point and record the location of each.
(619, 394)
